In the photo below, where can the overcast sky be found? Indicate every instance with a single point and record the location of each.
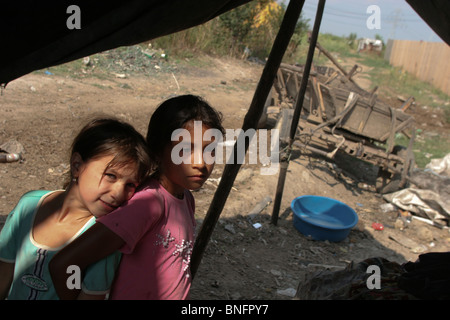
(397, 19)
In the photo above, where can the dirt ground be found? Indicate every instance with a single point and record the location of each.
(43, 111)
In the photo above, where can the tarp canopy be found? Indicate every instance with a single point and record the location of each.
(35, 35)
(436, 13)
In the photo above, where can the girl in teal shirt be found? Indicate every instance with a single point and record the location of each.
(108, 161)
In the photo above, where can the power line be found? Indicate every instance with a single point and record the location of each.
(399, 20)
(362, 16)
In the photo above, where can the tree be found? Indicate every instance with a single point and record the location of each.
(255, 25)
(239, 22)
(352, 39)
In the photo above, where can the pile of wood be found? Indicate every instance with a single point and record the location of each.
(337, 115)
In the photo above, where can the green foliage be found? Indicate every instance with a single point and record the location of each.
(238, 23)
(352, 40)
(207, 38)
(447, 113)
(425, 147)
(232, 32)
(391, 78)
(352, 36)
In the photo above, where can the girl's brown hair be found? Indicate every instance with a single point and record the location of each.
(173, 114)
(110, 136)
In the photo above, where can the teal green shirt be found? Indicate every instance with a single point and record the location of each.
(32, 280)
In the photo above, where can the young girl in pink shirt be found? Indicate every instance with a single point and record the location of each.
(155, 229)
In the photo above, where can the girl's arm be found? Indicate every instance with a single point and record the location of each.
(93, 245)
(7, 272)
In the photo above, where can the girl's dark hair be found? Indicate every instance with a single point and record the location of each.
(110, 136)
(173, 114)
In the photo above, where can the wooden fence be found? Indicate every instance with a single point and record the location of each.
(428, 61)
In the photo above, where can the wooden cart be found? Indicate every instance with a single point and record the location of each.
(338, 116)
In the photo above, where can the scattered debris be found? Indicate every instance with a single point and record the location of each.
(326, 266)
(9, 157)
(230, 228)
(401, 223)
(428, 221)
(289, 292)
(86, 61)
(367, 44)
(260, 206)
(11, 151)
(429, 198)
(377, 226)
(388, 207)
(257, 225)
(440, 166)
(408, 243)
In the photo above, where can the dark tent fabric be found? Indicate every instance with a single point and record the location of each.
(436, 13)
(34, 34)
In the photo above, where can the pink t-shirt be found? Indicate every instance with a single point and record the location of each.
(158, 230)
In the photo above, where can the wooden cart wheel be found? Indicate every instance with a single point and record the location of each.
(388, 182)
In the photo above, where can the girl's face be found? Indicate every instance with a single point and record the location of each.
(101, 188)
(193, 171)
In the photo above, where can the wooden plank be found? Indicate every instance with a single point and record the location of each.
(369, 111)
(285, 124)
(352, 71)
(273, 110)
(399, 128)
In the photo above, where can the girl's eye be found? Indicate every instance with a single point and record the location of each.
(132, 185)
(110, 176)
(185, 152)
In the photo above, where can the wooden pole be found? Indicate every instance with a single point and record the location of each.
(296, 117)
(250, 121)
(332, 59)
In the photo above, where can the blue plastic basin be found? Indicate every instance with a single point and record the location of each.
(323, 218)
